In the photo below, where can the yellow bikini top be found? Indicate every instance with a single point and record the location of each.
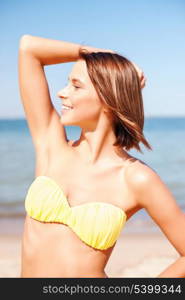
(98, 224)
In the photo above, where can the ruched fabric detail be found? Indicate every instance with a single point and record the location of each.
(98, 224)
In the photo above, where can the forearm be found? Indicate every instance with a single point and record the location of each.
(49, 51)
(175, 270)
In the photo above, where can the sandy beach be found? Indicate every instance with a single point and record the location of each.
(134, 255)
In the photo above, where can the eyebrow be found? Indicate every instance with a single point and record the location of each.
(75, 80)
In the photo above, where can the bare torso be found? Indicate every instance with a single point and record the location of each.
(53, 249)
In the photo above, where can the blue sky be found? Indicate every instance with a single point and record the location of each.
(149, 33)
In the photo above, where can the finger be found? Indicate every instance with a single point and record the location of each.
(143, 81)
(143, 84)
(142, 74)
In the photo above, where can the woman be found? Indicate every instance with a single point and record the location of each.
(84, 191)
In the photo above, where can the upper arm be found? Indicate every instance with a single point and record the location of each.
(154, 196)
(43, 120)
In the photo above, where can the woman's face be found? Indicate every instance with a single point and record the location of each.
(81, 95)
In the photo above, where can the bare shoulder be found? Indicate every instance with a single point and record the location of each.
(140, 178)
(150, 190)
(139, 172)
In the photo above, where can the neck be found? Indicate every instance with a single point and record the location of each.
(97, 145)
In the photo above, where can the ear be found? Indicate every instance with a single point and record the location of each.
(106, 110)
(108, 114)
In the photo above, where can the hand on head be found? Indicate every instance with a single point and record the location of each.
(141, 75)
(139, 71)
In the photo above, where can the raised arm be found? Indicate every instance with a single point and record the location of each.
(43, 120)
(35, 53)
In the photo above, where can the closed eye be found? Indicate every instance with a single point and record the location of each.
(76, 87)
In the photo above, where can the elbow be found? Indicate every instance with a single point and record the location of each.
(25, 41)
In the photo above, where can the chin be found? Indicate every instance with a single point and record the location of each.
(65, 122)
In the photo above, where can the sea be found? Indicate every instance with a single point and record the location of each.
(166, 135)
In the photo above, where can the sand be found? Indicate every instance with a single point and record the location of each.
(135, 254)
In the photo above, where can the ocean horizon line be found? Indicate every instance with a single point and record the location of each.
(146, 117)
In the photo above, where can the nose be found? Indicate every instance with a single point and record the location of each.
(62, 93)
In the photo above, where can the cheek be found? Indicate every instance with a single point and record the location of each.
(90, 112)
(90, 108)
(86, 104)
(86, 112)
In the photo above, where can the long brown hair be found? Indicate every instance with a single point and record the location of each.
(117, 84)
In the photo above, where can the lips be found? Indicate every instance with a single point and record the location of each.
(67, 106)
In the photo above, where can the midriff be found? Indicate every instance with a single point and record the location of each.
(44, 243)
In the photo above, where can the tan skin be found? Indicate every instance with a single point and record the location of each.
(70, 256)
(89, 170)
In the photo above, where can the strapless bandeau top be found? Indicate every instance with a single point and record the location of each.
(98, 224)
